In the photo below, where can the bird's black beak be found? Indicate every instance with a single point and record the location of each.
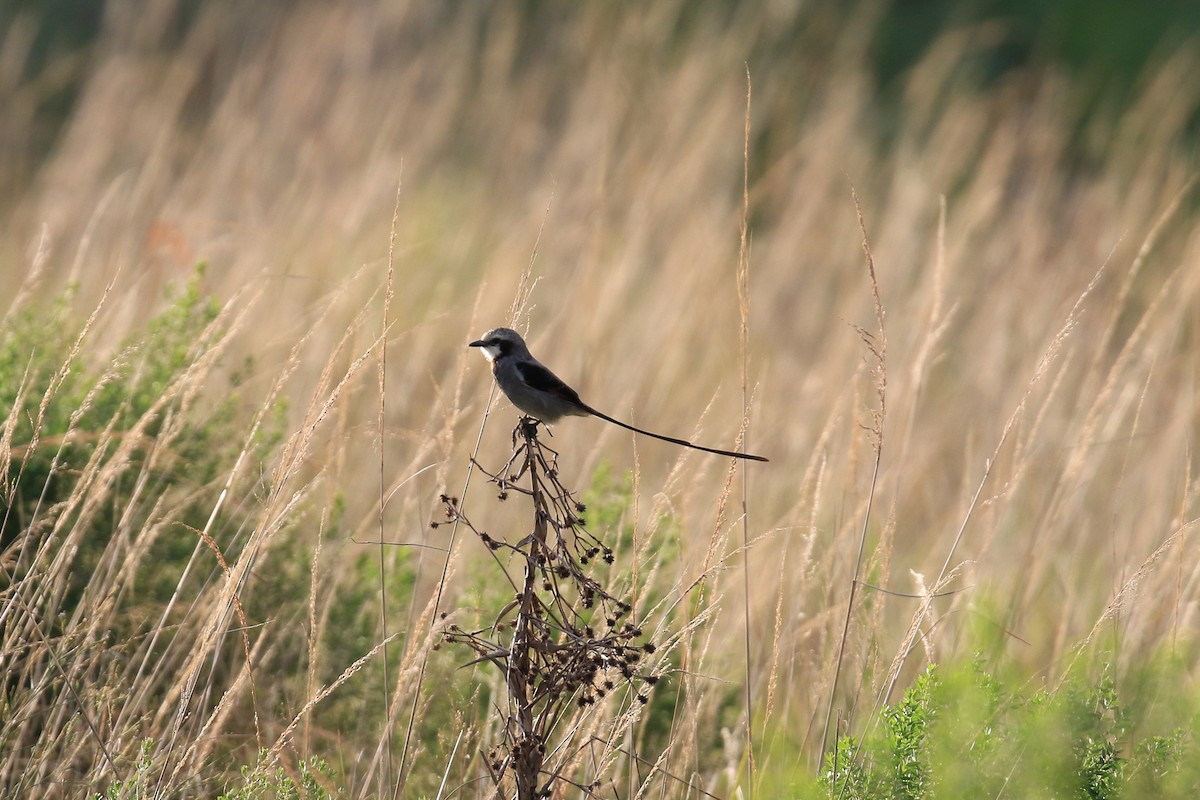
(476, 343)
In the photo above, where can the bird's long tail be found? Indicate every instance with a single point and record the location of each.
(671, 439)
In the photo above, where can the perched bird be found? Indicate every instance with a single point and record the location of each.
(540, 393)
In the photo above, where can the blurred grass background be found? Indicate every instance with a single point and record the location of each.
(1003, 152)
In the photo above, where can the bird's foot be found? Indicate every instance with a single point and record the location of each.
(527, 426)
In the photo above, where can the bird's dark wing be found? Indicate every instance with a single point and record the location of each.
(538, 377)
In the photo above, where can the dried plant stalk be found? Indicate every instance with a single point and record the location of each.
(564, 640)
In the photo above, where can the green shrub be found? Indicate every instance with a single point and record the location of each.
(71, 412)
(962, 732)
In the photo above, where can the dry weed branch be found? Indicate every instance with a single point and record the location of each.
(565, 641)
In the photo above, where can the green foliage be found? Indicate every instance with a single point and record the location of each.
(116, 462)
(962, 732)
(260, 782)
(609, 501)
(140, 785)
(70, 409)
(907, 724)
(609, 504)
(1107, 42)
(64, 405)
(1097, 721)
(895, 764)
(353, 628)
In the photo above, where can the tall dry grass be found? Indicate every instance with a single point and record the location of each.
(1037, 273)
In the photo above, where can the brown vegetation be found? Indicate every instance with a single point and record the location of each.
(1037, 273)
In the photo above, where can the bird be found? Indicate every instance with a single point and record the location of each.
(538, 392)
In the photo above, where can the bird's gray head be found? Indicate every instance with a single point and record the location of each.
(500, 342)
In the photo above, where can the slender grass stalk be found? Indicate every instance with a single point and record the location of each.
(743, 294)
(388, 770)
(876, 345)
